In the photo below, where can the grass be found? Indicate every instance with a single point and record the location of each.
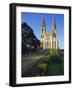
(55, 69)
(36, 69)
(43, 68)
(51, 66)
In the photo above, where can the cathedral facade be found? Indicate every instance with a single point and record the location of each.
(49, 40)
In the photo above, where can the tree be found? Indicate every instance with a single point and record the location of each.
(29, 40)
(55, 56)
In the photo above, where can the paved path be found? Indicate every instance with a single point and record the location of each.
(28, 61)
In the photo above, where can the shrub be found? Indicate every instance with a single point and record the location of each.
(55, 56)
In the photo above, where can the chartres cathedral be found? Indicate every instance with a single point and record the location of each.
(49, 40)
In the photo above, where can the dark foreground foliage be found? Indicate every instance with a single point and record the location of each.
(29, 40)
(51, 65)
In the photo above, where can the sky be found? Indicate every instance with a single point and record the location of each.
(34, 20)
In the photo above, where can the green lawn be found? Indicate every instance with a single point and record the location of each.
(51, 65)
(55, 69)
(45, 69)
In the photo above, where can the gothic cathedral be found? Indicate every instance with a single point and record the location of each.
(49, 40)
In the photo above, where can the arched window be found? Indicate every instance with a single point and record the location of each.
(54, 35)
(54, 44)
(42, 30)
(47, 44)
(42, 36)
(42, 44)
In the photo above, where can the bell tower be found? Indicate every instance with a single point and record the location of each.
(54, 35)
(43, 27)
(43, 33)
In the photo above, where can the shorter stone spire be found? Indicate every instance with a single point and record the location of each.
(43, 22)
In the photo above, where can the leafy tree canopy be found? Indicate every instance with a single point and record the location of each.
(28, 38)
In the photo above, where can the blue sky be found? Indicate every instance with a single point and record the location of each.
(34, 20)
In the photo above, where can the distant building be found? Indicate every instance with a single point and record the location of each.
(49, 40)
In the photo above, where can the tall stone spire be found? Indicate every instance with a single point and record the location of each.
(43, 34)
(53, 24)
(54, 35)
(43, 26)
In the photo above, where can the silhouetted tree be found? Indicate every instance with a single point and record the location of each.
(29, 40)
